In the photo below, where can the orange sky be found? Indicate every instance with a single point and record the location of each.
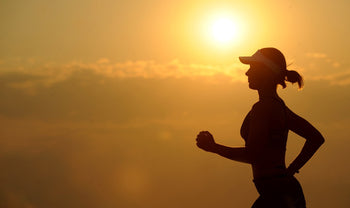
(102, 100)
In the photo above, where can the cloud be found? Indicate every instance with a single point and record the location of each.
(339, 78)
(316, 55)
(151, 69)
(29, 74)
(322, 57)
(321, 67)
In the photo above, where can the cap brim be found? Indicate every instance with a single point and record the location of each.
(247, 59)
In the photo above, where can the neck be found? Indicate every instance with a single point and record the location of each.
(268, 92)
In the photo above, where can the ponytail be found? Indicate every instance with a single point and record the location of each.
(293, 77)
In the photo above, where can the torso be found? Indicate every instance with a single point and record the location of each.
(273, 152)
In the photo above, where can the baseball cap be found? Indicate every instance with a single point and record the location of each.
(272, 58)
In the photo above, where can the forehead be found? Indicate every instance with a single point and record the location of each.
(256, 65)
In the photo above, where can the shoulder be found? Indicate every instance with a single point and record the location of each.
(268, 108)
(261, 111)
(263, 106)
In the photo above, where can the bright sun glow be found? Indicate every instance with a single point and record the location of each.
(224, 30)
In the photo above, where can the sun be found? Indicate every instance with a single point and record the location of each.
(224, 30)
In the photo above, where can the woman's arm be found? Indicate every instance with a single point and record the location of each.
(257, 137)
(238, 154)
(206, 142)
(313, 137)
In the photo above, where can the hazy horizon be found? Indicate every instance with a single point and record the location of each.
(102, 100)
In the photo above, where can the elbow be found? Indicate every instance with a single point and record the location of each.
(321, 140)
(318, 139)
(315, 140)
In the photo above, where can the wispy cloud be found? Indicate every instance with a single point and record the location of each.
(316, 55)
(151, 69)
(322, 67)
(322, 57)
(34, 74)
(340, 78)
(31, 74)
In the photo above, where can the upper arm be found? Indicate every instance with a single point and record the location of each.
(303, 128)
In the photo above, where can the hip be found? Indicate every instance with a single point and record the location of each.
(282, 189)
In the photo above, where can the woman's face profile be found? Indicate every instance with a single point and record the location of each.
(256, 76)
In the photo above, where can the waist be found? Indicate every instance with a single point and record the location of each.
(269, 177)
(271, 172)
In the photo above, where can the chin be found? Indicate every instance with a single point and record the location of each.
(252, 86)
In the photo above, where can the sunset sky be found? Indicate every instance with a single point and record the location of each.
(102, 100)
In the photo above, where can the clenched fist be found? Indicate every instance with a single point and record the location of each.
(205, 141)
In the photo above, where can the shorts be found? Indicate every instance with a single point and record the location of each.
(279, 192)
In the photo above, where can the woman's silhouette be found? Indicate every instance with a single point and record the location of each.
(265, 130)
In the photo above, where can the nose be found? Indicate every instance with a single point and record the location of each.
(247, 73)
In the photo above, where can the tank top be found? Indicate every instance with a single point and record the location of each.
(245, 125)
(277, 138)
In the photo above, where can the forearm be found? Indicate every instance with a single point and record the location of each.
(234, 153)
(308, 150)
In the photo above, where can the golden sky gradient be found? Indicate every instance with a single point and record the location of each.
(102, 100)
